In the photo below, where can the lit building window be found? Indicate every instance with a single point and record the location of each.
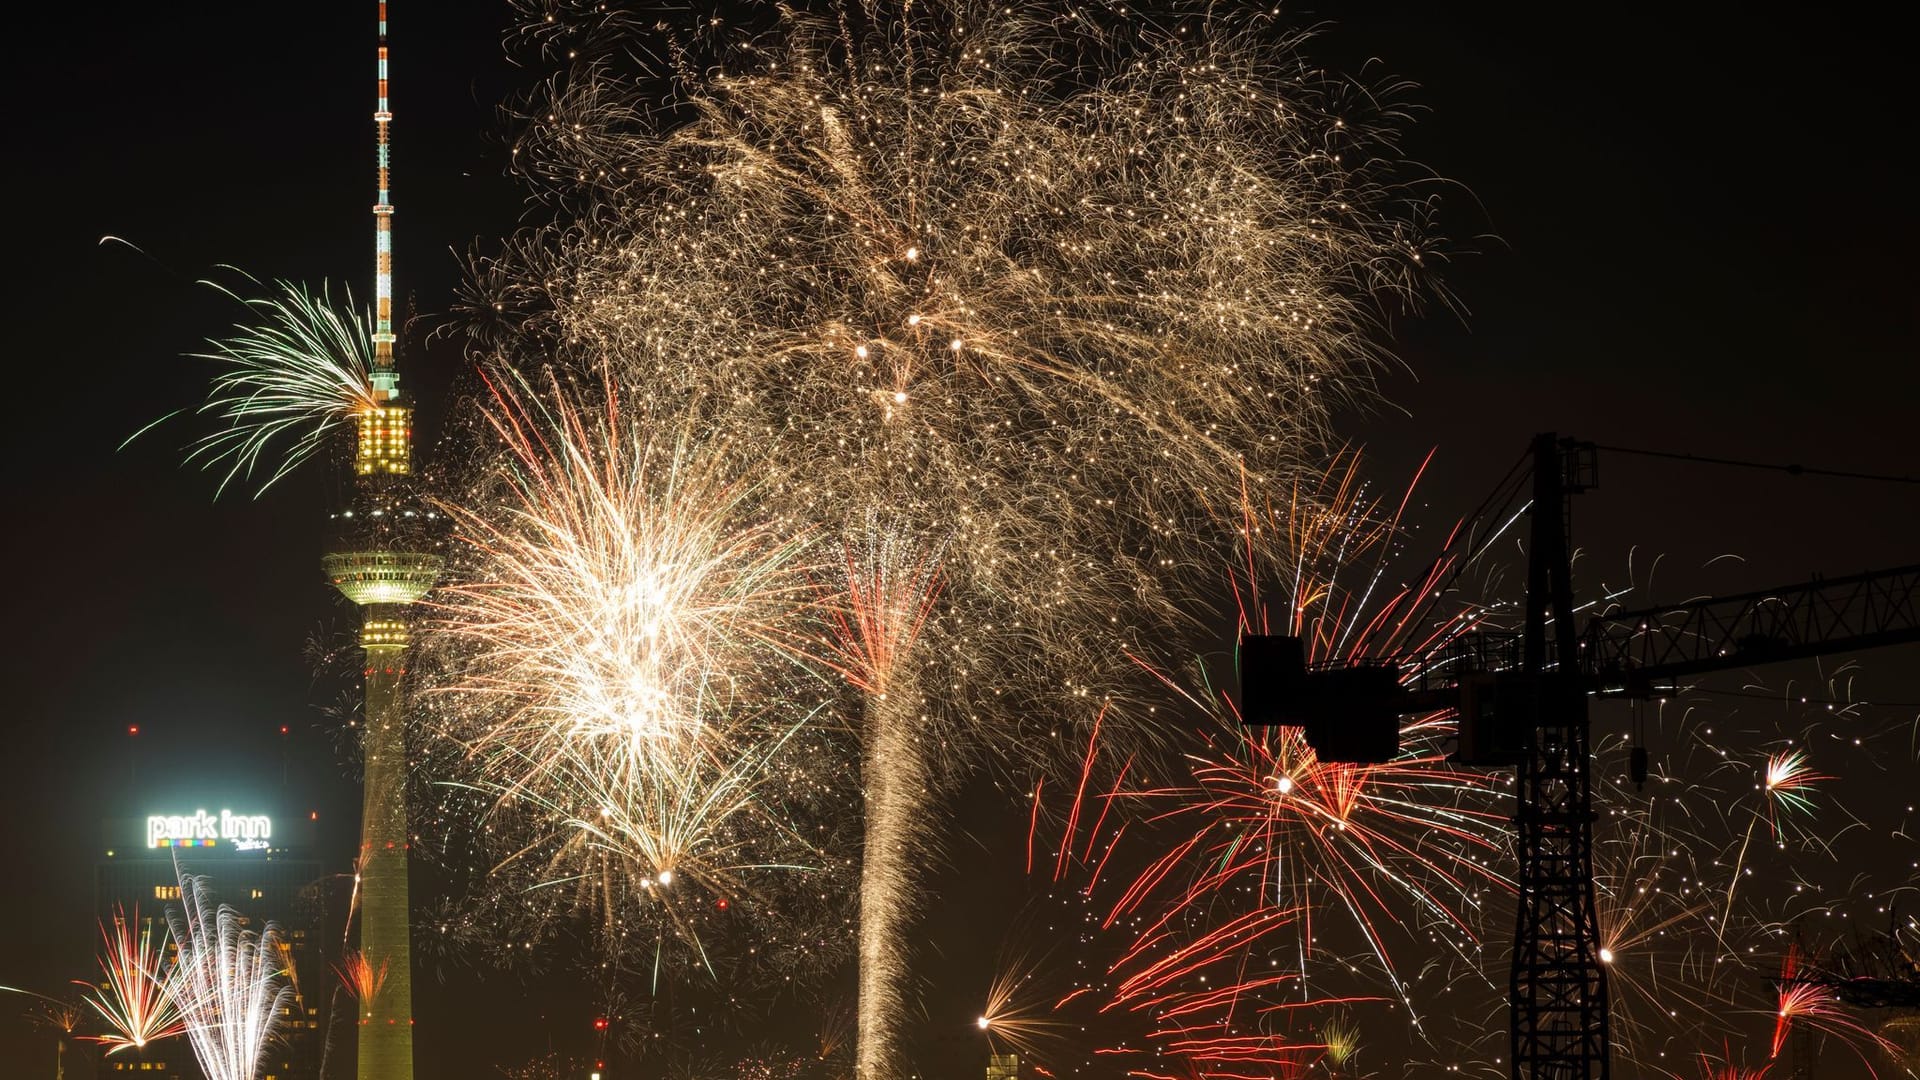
(385, 435)
(165, 892)
(383, 632)
(257, 894)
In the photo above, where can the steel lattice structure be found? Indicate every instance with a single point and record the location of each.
(1559, 988)
(1631, 652)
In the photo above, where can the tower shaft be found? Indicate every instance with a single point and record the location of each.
(386, 1022)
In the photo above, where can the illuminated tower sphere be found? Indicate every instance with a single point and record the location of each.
(382, 557)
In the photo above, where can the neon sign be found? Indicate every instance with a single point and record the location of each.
(242, 832)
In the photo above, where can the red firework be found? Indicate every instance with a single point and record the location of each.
(1254, 840)
(362, 979)
(136, 995)
(1806, 1000)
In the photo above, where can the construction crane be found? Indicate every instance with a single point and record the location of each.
(1522, 703)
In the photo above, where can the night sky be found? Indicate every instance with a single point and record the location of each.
(1691, 232)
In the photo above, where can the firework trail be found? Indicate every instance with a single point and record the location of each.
(1036, 316)
(835, 1032)
(888, 590)
(1018, 1013)
(1786, 783)
(136, 999)
(228, 983)
(289, 377)
(897, 781)
(617, 664)
(1712, 1070)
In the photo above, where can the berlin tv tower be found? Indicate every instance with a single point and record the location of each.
(382, 558)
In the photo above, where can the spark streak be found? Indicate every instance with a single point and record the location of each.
(288, 380)
(228, 982)
(137, 1000)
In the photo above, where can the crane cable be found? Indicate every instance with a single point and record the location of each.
(1795, 470)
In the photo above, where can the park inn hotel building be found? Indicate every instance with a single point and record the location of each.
(261, 864)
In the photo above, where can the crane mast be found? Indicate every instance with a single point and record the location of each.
(1558, 987)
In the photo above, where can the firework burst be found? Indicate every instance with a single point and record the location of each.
(621, 583)
(228, 982)
(1027, 316)
(1789, 780)
(548, 1066)
(61, 1016)
(1018, 1013)
(1342, 1038)
(135, 997)
(361, 978)
(617, 666)
(288, 379)
(1810, 1003)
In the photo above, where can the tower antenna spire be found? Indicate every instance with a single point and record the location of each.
(386, 381)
